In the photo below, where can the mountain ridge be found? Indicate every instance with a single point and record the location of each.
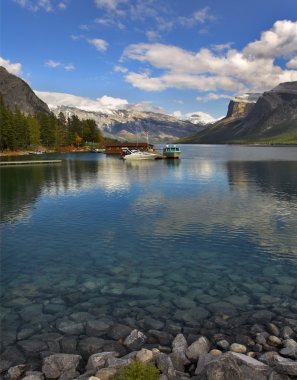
(271, 119)
(17, 94)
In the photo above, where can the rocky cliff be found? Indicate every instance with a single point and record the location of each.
(238, 109)
(272, 119)
(16, 93)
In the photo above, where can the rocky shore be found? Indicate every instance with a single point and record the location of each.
(98, 350)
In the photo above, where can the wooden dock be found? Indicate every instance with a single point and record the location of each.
(32, 162)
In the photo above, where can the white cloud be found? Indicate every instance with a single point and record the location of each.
(110, 5)
(69, 67)
(103, 104)
(292, 64)
(62, 5)
(120, 69)
(152, 35)
(37, 5)
(110, 22)
(200, 17)
(54, 64)
(279, 41)
(213, 96)
(252, 68)
(100, 45)
(203, 15)
(13, 68)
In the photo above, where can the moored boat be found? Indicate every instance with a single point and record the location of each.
(135, 154)
(171, 151)
(98, 150)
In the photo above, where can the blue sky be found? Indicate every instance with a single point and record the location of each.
(180, 56)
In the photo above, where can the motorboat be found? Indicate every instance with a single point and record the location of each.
(37, 152)
(98, 150)
(135, 154)
(171, 151)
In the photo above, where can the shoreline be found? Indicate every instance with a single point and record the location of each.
(268, 352)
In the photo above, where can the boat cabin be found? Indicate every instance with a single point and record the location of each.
(117, 148)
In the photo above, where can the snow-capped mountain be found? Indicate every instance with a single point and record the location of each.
(200, 118)
(116, 118)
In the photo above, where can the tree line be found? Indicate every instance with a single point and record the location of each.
(20, 131)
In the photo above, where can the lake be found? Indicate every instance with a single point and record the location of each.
(206, 244)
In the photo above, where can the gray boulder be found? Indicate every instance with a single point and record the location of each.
(97, 361)
(178, 356)
(234, 366)
(201, 346)
(164, 363)
(135, 340)
(286, 366)
(61, 365)
(33, 375)
(16, 372)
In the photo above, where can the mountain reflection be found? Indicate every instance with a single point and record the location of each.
(183, 198)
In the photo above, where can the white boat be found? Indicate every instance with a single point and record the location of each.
(134, 154)
(171, 151)
(36, 152)
(98, 150)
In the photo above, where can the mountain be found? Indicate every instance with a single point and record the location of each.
(16, 93)
(200, 118)
(272, 118)
(128, 124)
(119, 120)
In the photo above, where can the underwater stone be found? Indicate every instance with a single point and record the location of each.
(90, 345)
(263, 316)
(68, 345)
(32, 346)
(97, 328)
(119, 331)
(151, 323)
(274, 341)
(287, 332)
(71, 328)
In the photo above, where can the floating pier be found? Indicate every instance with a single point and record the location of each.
(31, 162)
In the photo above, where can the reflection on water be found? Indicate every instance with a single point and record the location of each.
(179, 241)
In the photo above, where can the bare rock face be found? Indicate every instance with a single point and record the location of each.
(237, 109)
(16, 93)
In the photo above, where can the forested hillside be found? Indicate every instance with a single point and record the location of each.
(20, 131)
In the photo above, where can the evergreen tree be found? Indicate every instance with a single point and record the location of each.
(34, 130)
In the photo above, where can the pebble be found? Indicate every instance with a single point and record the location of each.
(239, 348)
